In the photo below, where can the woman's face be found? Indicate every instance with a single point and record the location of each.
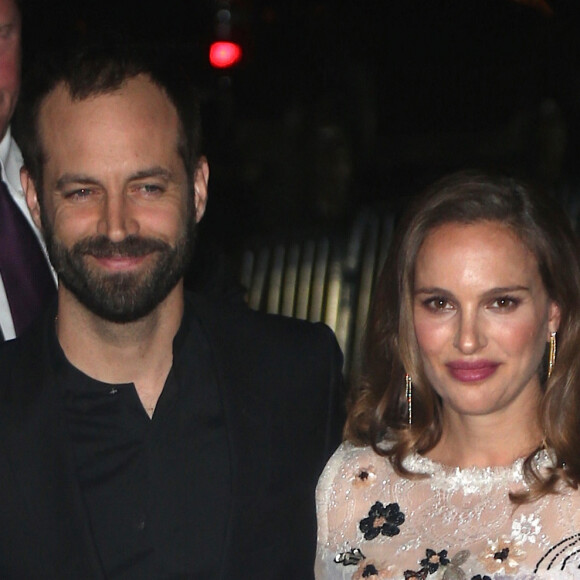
(482, 318)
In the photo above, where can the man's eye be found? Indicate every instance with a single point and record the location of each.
(79, 194)
(6, 31)
(151, 188)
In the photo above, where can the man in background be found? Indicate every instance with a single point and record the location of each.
(26, 282)
(145, 431)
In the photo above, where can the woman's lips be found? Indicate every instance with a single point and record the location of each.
(471, 371)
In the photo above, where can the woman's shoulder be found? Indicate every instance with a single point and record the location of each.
(351, 463)
(348, 452)
(352, 475)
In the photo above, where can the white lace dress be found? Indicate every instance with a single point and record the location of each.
(455, 524)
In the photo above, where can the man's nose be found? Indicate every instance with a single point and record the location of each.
(117, 221)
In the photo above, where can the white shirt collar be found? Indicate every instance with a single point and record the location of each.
(11, 162)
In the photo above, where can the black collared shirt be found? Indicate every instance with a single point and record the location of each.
(156, 490)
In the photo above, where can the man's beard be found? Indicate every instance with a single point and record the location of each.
(121, 296)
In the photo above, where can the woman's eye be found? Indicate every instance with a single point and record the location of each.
(437, 303)
(505, 303)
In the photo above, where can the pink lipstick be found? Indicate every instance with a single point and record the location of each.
(471, 371)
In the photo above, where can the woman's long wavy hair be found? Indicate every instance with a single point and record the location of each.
(377, 407)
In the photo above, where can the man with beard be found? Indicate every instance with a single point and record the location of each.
(146, 432)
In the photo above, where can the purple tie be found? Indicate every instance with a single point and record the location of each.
(25, 273)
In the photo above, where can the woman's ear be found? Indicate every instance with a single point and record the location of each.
(553, 318)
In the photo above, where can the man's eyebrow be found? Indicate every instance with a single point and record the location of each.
(82, 178)
(79, 178)
(151, 172)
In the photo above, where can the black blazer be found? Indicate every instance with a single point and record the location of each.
(281, 383)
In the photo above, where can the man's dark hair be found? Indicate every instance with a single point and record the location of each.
(98, 69)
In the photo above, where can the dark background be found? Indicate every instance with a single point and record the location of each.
(338, 105)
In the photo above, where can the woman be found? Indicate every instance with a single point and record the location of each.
(461, 458)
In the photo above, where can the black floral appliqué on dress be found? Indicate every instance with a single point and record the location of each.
(382, 519)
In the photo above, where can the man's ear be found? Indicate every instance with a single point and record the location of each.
(31, 197)
(200, 181)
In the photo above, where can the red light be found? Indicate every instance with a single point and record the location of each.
(224, 54)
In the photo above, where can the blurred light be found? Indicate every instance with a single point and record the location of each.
(224, 23)
(224, 54)
(224, 15)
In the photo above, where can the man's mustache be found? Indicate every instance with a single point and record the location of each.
(130, 247)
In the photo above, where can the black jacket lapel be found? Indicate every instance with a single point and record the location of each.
(37, 462)
(248, 426)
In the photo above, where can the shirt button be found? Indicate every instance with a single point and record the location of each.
(140, 525)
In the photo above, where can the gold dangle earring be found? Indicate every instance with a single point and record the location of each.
(551, 353)
(409, 396)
